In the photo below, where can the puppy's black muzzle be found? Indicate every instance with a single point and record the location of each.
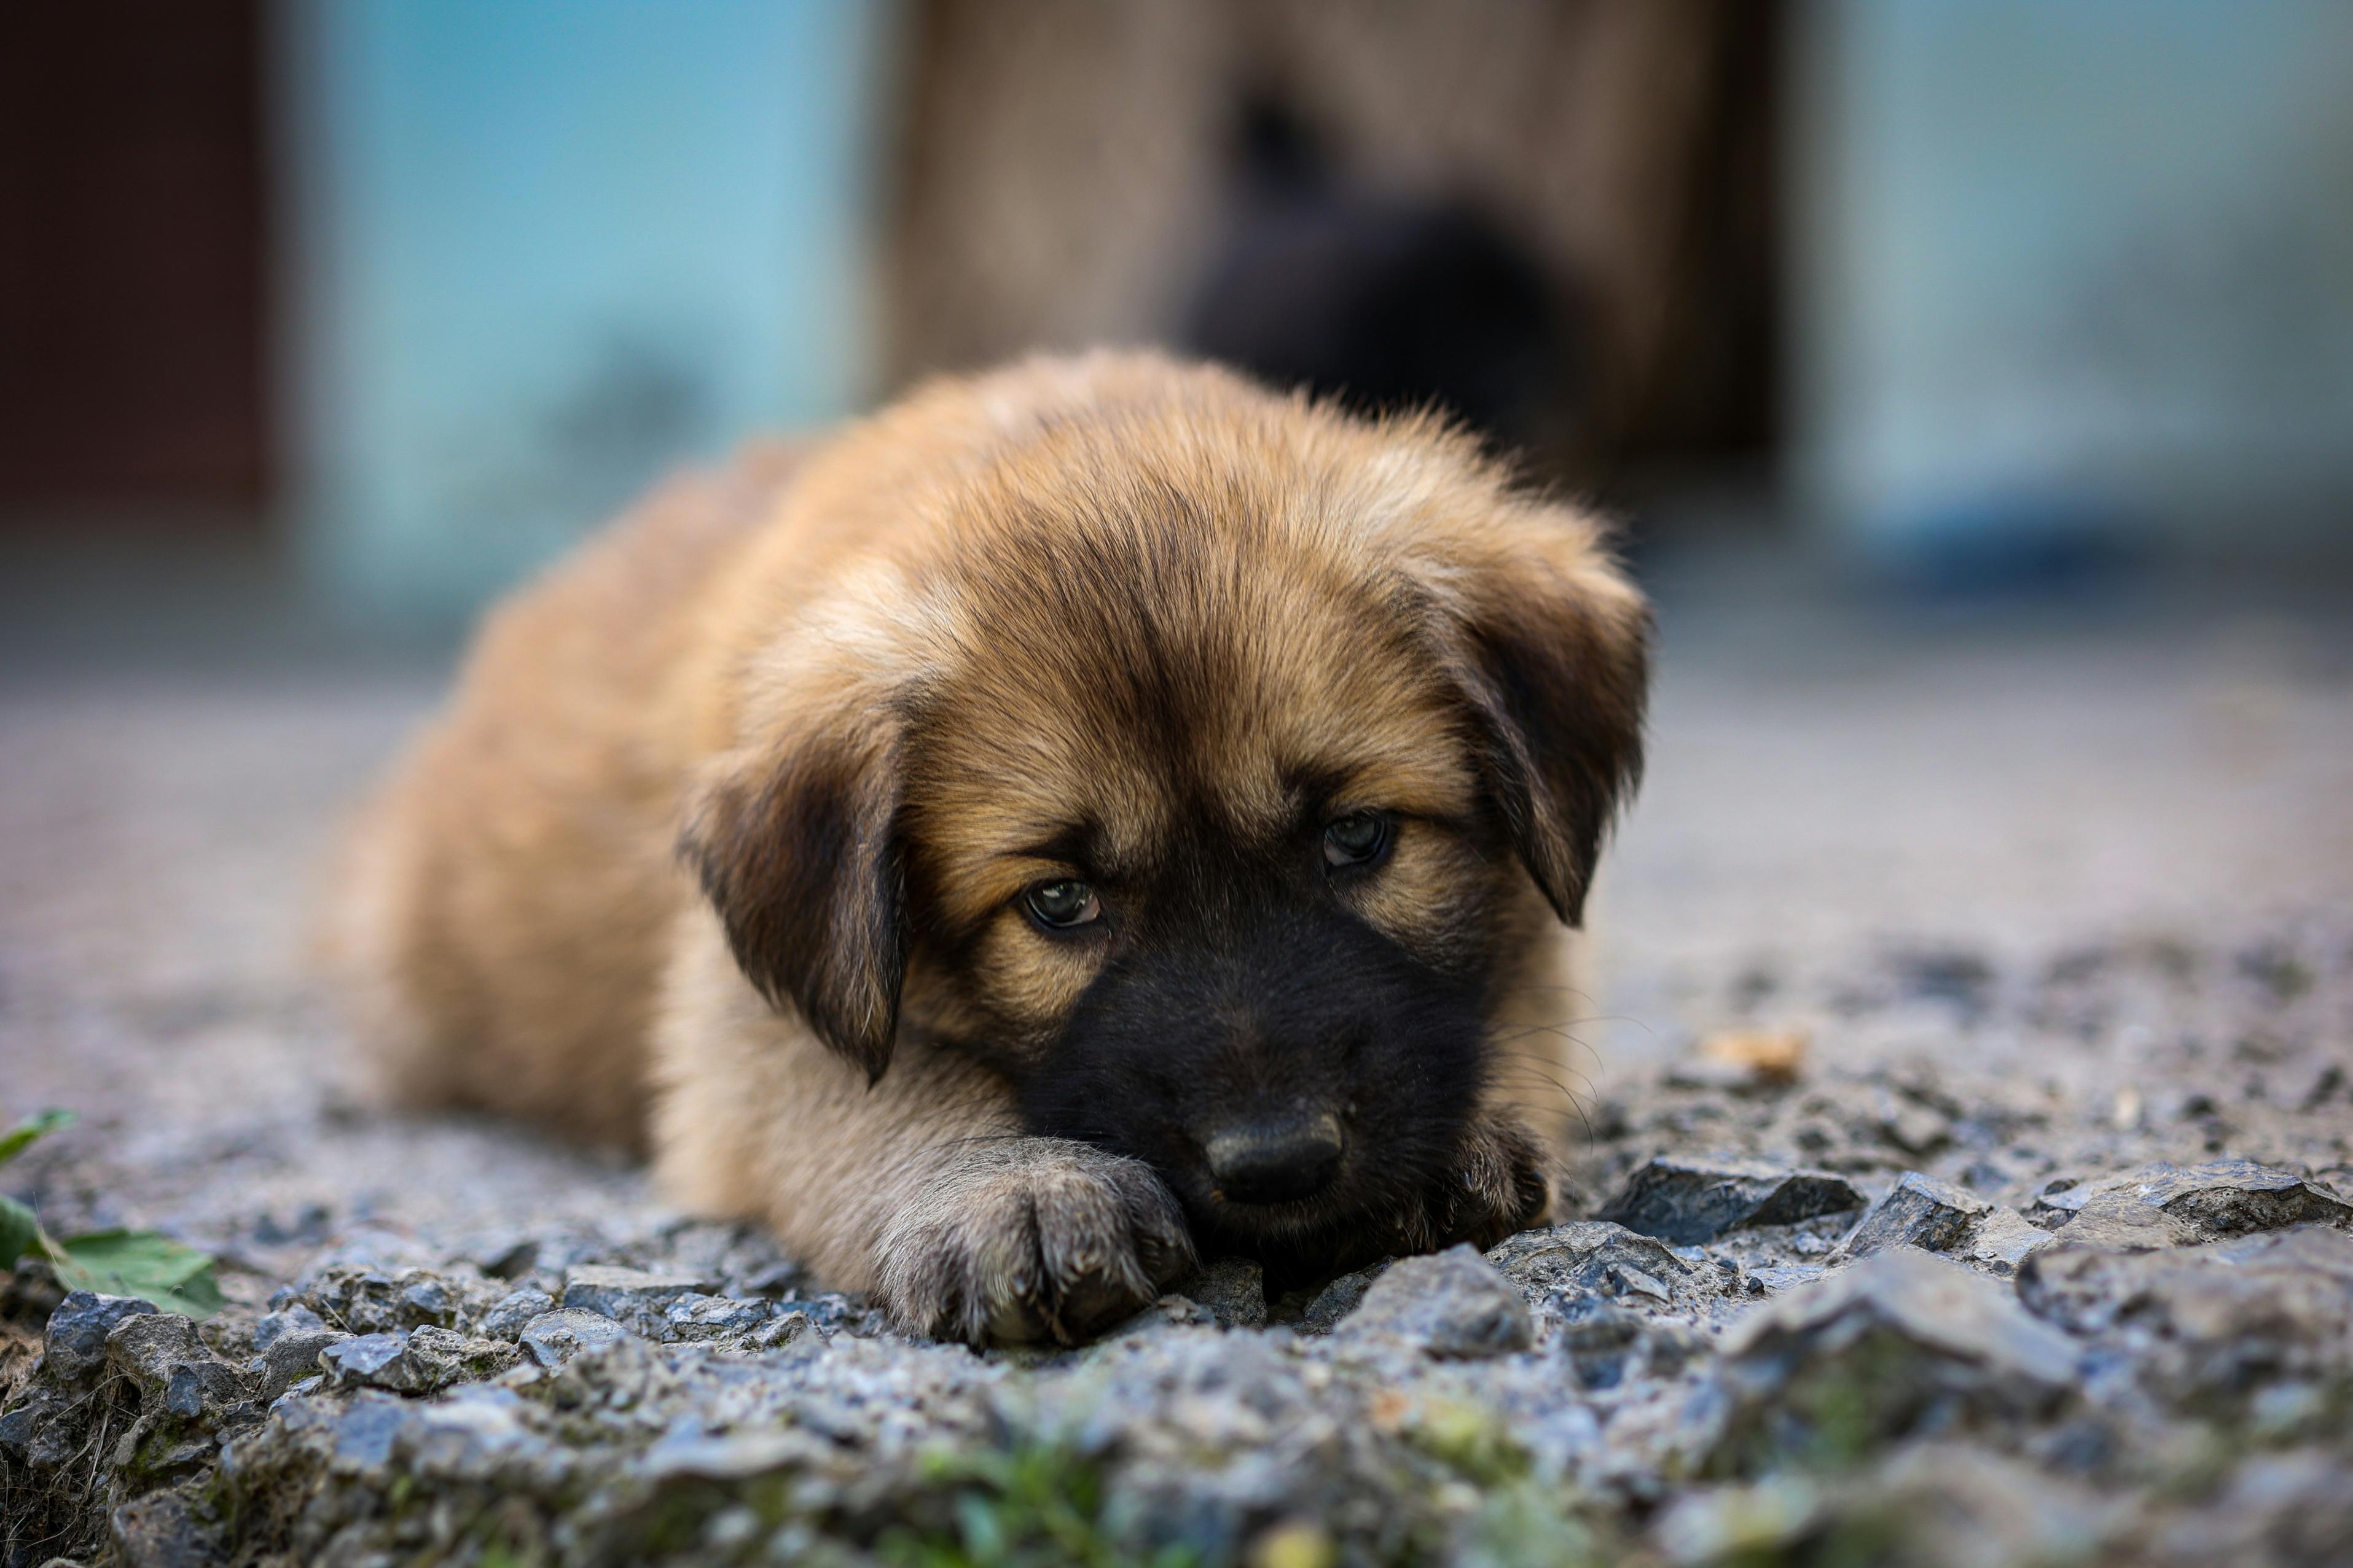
(1275, 1161)
(1293, 1077)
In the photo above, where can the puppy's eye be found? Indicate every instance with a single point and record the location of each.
(1357, 839)
(1059, 906)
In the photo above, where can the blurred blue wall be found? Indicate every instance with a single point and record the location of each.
(2076, 264)
(543, 249)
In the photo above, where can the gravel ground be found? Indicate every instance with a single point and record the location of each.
(1966, 1178)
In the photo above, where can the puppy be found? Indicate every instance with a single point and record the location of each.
(1088, 815)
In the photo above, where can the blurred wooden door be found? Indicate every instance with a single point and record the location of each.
(134, 260)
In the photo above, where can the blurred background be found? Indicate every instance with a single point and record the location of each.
(352, 310)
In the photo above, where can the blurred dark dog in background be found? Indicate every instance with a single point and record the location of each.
(1387, 302)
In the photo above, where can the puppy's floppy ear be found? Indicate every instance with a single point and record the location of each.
(796, 849)
(1552, 652)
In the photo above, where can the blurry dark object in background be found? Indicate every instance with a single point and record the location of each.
(1065, 177)
(133, 243)
(1388, 303)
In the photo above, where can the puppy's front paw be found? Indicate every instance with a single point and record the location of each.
(1035, 1239)
(1495, 1186)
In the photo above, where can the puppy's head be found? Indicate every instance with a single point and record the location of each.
(1205, 761)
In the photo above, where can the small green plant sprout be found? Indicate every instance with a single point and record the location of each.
(1038, 1504)
(177, 1278)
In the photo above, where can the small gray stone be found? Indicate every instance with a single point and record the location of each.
(513, 1312)
(205, 1393)
(2220, 1325)
(429, 1298)
(744, 1257)
(1899, 1342)
(789, 1324)
(287, 1320)
(149, 1349)
(2089, 1292)
(2235, 1197)
(368, 1361)
(472, 1434)
(1338, 1299)
(370, 1246)
(369, 1300)
(715, 1317)
(1688, 1200)
(2005, 1239)
(2224, 1198)
(1926, 1299)
(422, 1361)
(1633, 1280)
(1930, 1303)
(1779, 1277)
(185, 1388)
(1915, 1129)
(830, 1312)
(1607, 1345)
(25, 1421)
(1232, 1289)
(75, 1343)
(355, 1433)
(2118, 1222)
(1595, 1257)
(508, 1257)
(443, 1356)
(1171, 1311)
(737, 1456)
(1918, 1211)
(1942, 1503)
(553, 1338)
(1453, 1304)
(637, 1299)
(291, 1356)
(159, 1531)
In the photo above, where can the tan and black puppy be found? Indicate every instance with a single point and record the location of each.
(1086, 816)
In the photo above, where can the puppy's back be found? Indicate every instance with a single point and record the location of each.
(499, 914)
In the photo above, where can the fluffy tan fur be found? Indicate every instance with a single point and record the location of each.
(521, 932)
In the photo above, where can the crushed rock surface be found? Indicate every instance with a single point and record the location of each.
(2041, 1253)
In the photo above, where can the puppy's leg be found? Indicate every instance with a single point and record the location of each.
(1500, 1183)
(920, 1187)
(360, 947)
(1028, 1239)
(1497, 1182)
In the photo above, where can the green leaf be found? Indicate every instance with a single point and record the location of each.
(140, 1263)
(22, 1136)
(20, 1233)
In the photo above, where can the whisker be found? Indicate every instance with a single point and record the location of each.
(1510, 1044)
(1581, 1091)
(1604, 1018)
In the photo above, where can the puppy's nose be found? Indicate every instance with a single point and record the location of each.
(1277, 1160)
